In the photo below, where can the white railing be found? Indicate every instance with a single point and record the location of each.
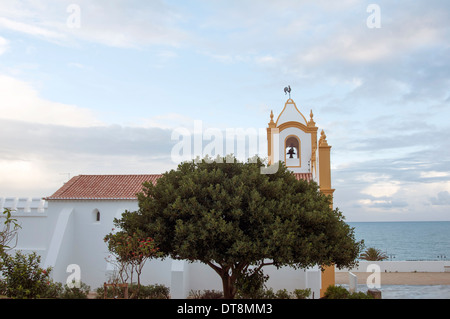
(402, 266)
(24, 205)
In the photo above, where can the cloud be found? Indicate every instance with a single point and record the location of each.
(442, 198)
(116, 23)
(48, 140)
(29, 29)
(167, 121)
(383, 203)
(21, 102)
(4, 45)
(382, 189)
(36, 158)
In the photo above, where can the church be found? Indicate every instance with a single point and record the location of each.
(67, 228)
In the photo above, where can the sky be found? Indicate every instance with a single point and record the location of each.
(100, 87)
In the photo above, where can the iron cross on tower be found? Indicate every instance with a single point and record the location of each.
(287, 90)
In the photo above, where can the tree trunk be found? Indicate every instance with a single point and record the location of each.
(229, 288)
(228, 281)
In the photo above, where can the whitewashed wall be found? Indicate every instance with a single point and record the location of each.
(305, 148)
(402, 266)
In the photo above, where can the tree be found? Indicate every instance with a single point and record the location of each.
(228, 215)
(131, 250)
(8, 232)
(373, 254)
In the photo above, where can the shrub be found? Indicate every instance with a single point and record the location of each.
(52, 290)
(282, 294)
(194, 294)
(360, 295)
(302, 293)
(270, 294)
(156, 291)
(205, 294)
(338, 292)
(261, 294)
(23, 277)
(74, 292)
(153, 291)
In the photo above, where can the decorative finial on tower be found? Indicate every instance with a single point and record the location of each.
(323, 139)
(287, 90)
(271, 123)
(311, 121)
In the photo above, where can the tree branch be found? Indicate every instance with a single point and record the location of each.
(264, 264)
(217, 269)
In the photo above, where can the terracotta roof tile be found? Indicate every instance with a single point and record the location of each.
(103, 187)
(95, 187)
(305, 176)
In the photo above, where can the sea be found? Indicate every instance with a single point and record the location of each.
(411, 241)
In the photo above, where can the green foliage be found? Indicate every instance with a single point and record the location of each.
(336, 292)
(360, 295)
(302, 293)
(23, 277)
(260, 294)
(155, 291)
(230, 216)
(251, 283)
(53, 290)
(131, 247)
(373, 254)
(339, 292)
(8, 231)
(75, 292)
(205, 294)
(131, 251)
(117, 293)
(282, 294)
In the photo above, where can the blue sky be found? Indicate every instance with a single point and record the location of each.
(104, 97)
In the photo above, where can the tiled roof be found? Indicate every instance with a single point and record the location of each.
(103, 187)
(305, 176)
(95, 187)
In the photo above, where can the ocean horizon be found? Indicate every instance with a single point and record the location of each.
(406, 240)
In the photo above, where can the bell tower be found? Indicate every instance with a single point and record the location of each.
(293, 140)
(296, 139)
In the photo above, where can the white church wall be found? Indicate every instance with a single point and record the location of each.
(203, 277)
(59, 253)
(290, 113)
(198, 276)
(87, 249)
(31, 215)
